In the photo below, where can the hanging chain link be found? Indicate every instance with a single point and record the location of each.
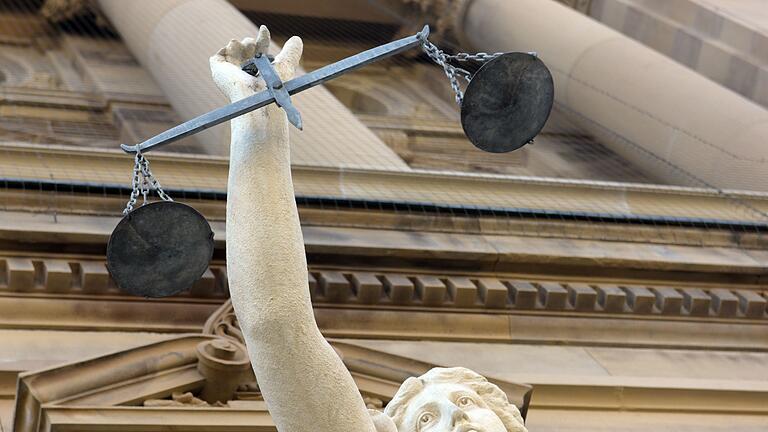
(438, 56)
(452, 72)
(441, 58)
(478, 57)
(142, 183)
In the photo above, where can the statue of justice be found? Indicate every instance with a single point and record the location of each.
(304, 382)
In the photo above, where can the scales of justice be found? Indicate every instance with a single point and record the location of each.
(161, 248)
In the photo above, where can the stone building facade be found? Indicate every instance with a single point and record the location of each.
(597, 285)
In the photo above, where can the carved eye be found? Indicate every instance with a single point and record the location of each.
(426, 418)
(465, 401)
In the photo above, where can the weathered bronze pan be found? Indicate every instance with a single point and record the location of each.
(507, 102)
(159, 249)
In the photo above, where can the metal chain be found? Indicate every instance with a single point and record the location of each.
(482, 57)
(438, 56)
(479, 57)
(142, 183)
(441, 58)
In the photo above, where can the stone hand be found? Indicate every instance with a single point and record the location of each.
(237, 84)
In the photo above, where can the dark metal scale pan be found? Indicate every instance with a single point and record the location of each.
(507, 102)
(159, 249)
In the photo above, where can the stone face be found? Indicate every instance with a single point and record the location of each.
(431, 394)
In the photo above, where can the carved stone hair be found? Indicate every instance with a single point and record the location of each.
(492, 395)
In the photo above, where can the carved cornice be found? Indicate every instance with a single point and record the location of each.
(502, 293)
(90, 277)
(418, 290)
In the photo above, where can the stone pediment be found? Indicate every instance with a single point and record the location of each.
(151, 387)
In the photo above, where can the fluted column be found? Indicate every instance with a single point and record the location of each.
(666, 119)
(173, 40)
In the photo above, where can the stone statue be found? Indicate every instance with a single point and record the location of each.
(453, 399)
(304, 382)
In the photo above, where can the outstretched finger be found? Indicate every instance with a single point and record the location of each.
(287, 61)
(263, 40)
(249, 47)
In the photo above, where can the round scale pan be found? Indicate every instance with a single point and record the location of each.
(507, 102)
(159, 249)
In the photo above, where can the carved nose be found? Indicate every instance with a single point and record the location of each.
(458, 416)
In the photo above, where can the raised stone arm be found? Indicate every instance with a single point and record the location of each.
(304, 382)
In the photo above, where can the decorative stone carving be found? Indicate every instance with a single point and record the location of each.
(268, 284)
(178, 399)
(442, 13)
(225, 365)
(223, 323)
(61, 10)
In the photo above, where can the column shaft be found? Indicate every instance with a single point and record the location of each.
(173, 40)
(670, 121)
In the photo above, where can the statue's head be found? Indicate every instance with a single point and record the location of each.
(453, 400)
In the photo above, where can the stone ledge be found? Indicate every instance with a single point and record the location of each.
(492, 252)
(107, 166)
(401, 322)
(33, 276)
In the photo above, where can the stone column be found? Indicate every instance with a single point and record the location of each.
(670, 121)
(173, 40)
